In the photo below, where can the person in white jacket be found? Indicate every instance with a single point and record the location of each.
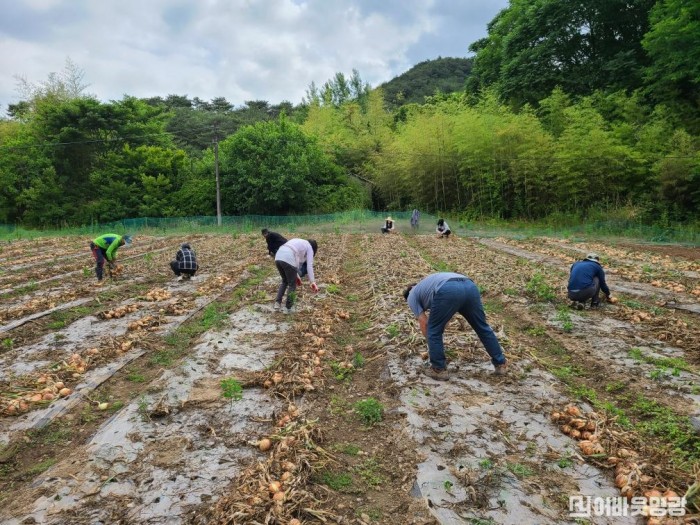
(289, 259)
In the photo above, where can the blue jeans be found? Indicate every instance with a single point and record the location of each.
(459, 296)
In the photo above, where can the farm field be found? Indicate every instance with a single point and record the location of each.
(150, 400)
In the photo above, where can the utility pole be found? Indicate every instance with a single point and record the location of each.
(216, 169)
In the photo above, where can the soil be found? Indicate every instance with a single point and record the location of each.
(337, 385)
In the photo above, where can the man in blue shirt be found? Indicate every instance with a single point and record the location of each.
(586, 279)
(445, 294)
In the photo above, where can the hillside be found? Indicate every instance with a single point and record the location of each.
(423, 79)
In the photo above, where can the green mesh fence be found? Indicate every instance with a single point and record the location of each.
(365, 221)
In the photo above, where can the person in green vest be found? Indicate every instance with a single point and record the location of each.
(104, 248)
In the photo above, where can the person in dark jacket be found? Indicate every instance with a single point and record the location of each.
(185, 263)
(586, 280)
(274, 241)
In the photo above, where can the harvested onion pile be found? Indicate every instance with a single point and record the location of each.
(119, 312)
(157, 294)
(148, 321)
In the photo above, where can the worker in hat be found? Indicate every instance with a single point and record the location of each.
(104, 248)
(185, 263)
(388, 225)
(586, 280)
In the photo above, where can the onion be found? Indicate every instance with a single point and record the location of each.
(555, 416)
(59, 385)
(578, 424)
(294, 521)
(621, 480)
(653, 493)
(264, 444)
(624, 453)
(670, 494)
(613, 460)
(103, 406)
(36, 398)
(576, 434)
(288, 465)
(627, 491)
(65, 392)
(590, 426)
(566, 429)
(573, 410)
(10, 410)
(267, 383)
(277, 378)
(286, 476)
(48, 396)
(586, 435)
(321, 352)
(274, 486)
(278, 496)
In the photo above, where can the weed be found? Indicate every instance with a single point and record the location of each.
(212, 317)
(143, 408)
(136, 377)
(333, 289)
(675, 363)
(56, 325)
(564, 318)
(615, 386)
(370, 411)
(486, 464)
(52, 434)
(231, 389)
(447, 485)
(352, 297)
(583, 392)
(565, 462)
(364, 325)
(7, 344)
(348, 448)
(563, 372)
(519, 470)
(338, 405)
(538, 288)
(338, 481)
(369, 472)
(537, 331)
(342, 372)
(374, 514)
(87, 272)
(31, 287)
(510, 291)
(531, 448)
(42, 466)
(493, 306)
(392, 330)
(358, 361)
(116, 406)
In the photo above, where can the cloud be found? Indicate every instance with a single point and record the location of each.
(247, 49)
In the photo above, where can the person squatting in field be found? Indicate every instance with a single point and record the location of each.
(586, 280)
(105, 248)
(443, 230)
(388, 225)
(185, 264)
(289, 259)
(446, 294)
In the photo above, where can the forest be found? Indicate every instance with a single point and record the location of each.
(569, 108)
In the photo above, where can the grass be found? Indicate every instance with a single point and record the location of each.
(42, 466)
(340, 372)
(392, 330)
(369, 410)
(368, 471)
(338, 481)
(333, 289)
(519, 470)
(231, 389)
(348, 448)
(674, 363)
(136, 377)
(564, 317)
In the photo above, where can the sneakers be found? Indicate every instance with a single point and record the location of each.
(179, 278)
(501, 370)
(434, 373)
(277, 307)
(100, 283)
(577, 305)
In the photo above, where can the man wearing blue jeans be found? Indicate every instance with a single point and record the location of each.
(445, 294)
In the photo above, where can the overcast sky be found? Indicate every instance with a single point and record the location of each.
(238, 49)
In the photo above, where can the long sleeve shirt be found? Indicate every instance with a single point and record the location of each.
(109, 242)
(186, 259)
(582, 274)
(443, 228)
(274, 242)
(420, 298)
(296, 252)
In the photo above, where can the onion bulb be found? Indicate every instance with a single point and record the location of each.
(103, 406)
(65, 392)
(286, 476)
(294, 521)
(278, 496)
(274, 486)
(264, 444)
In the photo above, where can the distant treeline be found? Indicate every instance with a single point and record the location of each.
(568, 107)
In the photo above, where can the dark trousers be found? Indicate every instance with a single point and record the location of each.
(100, 255)
(461, 296)
(175, 266)
(584, 295)
(289, 280)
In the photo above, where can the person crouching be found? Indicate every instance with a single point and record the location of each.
(185, 263)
